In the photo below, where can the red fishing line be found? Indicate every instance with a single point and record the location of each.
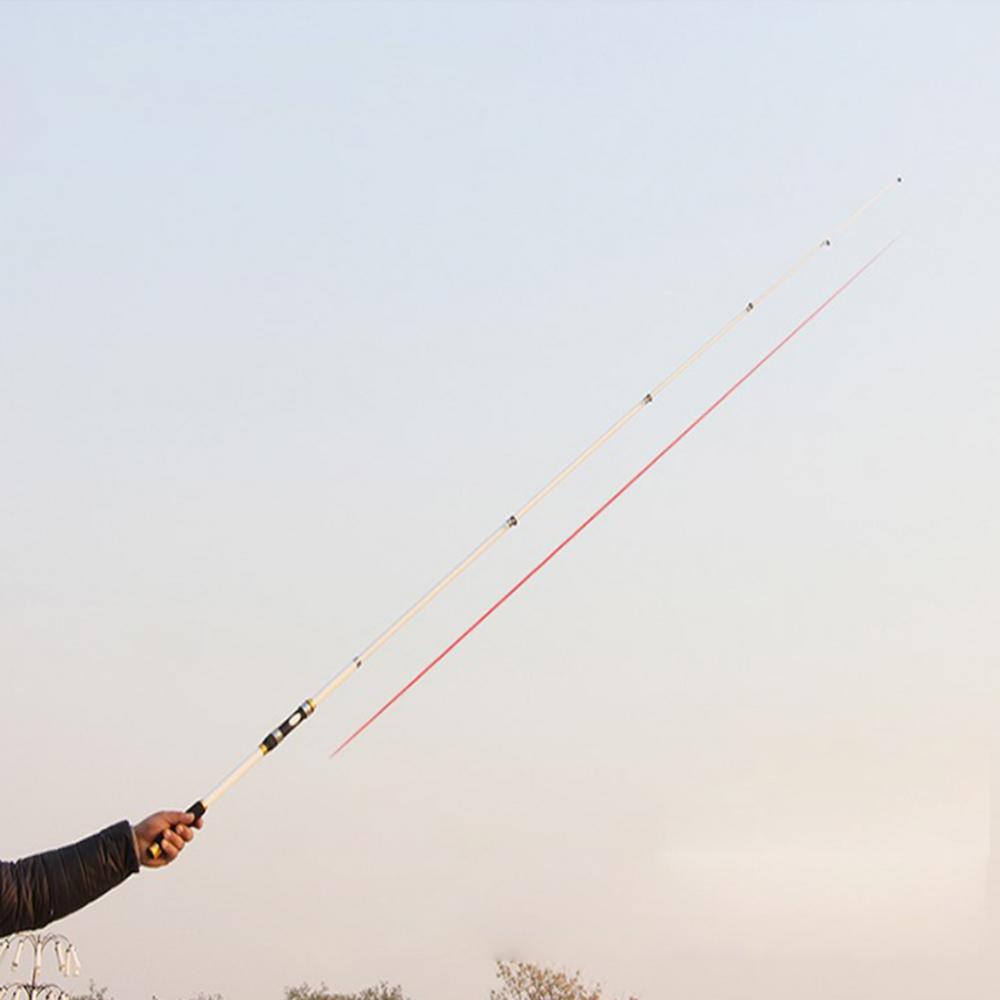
(604, 506)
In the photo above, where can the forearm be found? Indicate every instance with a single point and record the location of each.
(37, 890)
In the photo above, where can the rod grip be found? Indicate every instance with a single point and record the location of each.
(155, 849)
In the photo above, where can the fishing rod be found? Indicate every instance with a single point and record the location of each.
(538, 567)
(309, 706)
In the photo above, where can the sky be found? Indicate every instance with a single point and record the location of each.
(299, 301)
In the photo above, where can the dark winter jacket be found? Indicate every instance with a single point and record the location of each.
(45, 887)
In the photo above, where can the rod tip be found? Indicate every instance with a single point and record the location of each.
(899, 180)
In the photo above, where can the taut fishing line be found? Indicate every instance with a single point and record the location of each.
(306, 709)
(604, 506)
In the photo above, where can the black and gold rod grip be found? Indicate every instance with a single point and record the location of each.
(266, 745)
(155, 849)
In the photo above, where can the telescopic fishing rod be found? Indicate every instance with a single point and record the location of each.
(274, 738)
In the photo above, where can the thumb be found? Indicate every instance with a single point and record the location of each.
(171, 818)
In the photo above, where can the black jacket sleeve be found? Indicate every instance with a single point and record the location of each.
(45, 887)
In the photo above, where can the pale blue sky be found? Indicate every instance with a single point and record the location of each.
(299, 300)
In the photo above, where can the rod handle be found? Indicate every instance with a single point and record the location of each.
(155, 849)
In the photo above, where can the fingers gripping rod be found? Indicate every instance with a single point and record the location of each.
(303, 711)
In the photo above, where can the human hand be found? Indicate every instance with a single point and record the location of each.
(177, 829)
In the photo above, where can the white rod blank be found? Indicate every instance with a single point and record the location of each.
(514, 519)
